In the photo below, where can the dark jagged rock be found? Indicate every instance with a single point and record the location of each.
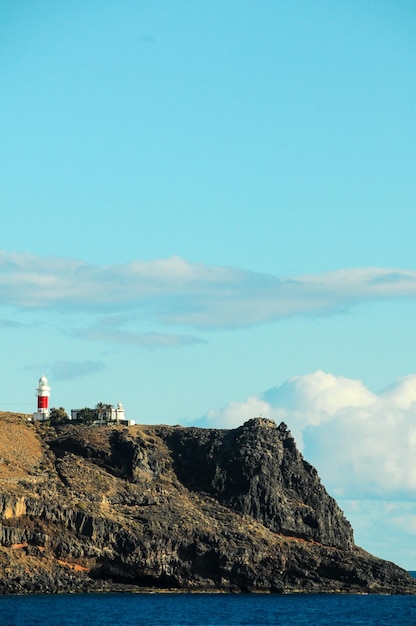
(164, 507)
(257, 470)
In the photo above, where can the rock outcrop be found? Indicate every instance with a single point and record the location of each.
(113, 508)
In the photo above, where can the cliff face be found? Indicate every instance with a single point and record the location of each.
(100, 508)
(257, 470)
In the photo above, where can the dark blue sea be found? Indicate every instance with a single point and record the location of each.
(206, 610)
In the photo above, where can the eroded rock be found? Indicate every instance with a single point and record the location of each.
(105, 508)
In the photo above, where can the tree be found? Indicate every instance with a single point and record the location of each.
(103, 411)
(87, 415)
(58, 416)
(100, 407)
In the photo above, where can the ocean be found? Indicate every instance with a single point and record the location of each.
(164, 609)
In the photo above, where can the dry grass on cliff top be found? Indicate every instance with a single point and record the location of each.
(20, 447)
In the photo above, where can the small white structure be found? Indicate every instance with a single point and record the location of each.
(106, 414)
(43, 392)
(111, 414)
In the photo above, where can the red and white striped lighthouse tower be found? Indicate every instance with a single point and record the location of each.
(43, 392)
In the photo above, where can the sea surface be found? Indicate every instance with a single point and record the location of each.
(166, 609)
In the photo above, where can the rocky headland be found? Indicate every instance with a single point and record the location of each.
(87, 508)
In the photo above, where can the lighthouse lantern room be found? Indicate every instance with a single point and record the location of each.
(43, 392)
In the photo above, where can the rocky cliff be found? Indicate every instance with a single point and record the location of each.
(110, 508)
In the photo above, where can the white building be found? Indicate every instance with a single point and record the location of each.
(106, 414)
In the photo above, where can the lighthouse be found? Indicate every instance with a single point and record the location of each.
(43, 392)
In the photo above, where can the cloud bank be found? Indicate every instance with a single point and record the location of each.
(363, 443)
(175, 292)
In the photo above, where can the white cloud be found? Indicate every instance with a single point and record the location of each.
(133, 339)
(405, 523)
(236, 413)
(385, 528)
(174, 291)
(363, 444)
(71, 370)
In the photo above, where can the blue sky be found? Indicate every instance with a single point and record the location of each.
(209, 214)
